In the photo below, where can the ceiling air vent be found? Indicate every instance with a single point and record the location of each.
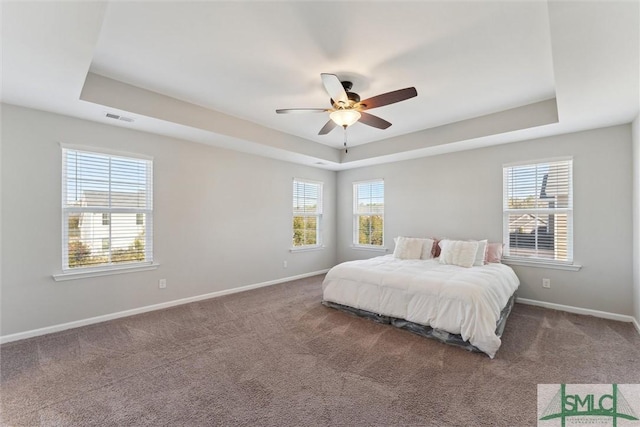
(117, 117)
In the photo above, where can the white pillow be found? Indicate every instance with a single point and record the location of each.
(457, 252)
(481, 254)
(427, 248)
(408, 248)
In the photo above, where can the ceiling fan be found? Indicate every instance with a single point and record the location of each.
(347, 107)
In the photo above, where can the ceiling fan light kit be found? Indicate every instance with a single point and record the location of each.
(345, 117)
(347, 107)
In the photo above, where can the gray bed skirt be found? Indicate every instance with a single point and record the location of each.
(427, 331)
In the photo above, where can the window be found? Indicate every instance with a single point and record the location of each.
(107, 210)
(368, 213)
(307, 213)
(538, 211)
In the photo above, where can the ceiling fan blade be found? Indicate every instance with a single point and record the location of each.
(334, 88)
(388, 98)
(328, 127)
(375, 121)
(301, 110)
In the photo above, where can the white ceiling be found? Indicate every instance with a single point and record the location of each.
(214, 72)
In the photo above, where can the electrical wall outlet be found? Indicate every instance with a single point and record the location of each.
(546, 283)
(284, 264)
(162, 283)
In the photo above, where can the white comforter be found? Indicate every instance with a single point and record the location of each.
(465, 301)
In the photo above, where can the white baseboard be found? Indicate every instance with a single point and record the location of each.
(579, 310)
(126, 313)
(636, 323)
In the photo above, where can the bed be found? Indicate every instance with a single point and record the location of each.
(458, 305)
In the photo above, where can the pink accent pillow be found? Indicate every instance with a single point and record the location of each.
(494, 253)
(435, 251)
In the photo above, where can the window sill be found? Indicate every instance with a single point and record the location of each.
(306, 248)
(72, 275)
(369, 248)
(541, 264)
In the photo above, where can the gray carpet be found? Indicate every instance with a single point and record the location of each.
(276, 356)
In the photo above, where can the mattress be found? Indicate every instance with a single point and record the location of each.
(457, 300)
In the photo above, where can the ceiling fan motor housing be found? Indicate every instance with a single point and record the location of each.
(353, 97)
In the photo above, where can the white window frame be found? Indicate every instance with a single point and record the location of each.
(357, 215)
(110, 267)
(564, 264)
(317, 214)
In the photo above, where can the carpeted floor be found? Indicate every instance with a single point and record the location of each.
(276, 356)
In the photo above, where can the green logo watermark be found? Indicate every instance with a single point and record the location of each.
(586, 404)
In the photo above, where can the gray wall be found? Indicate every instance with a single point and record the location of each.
(222, 219)
(636, 216)
(459, 195)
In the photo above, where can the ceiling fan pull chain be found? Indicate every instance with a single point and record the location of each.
(346, 150)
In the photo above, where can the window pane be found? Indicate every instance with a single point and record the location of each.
(364, 230)
(538, 210)
(135, 198)
(560, 227)
(369, 211)
(310, 223)
(79, 254)
(127, 238)
(97, 187)
(307, 197)
(529, 236)
(305, 231)
(100, 180)
(73, 226)
(85, 173)
(371, 206)
(92, 242)
(370, 229)
(556, 190)
(307, 208)
(369, 197)
(298, 231)
(310, 237)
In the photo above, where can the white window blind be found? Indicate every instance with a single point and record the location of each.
(307, 213)
(107, 210)
(538, 211)
(368, 213)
